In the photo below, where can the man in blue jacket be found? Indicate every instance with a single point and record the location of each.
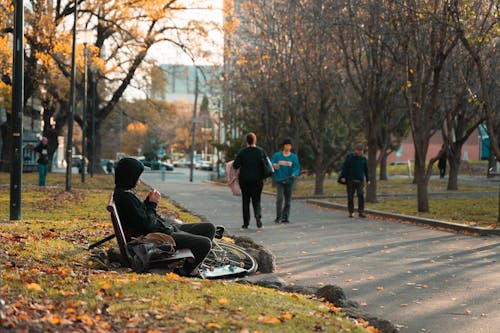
(286, 170)
(354, 172)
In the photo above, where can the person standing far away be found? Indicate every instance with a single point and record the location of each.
(286, 170)
(354, 172)
(42, 149)
(442, 164)
(251, 178)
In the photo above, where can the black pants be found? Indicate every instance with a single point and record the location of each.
(251, 191)
(357, 186)
(198, 238)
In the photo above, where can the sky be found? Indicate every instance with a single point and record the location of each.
(165, 53)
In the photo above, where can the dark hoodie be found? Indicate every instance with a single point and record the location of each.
(137, 217)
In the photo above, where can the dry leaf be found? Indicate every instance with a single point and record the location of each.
(269, 320)
(34, 286)
(223, 301)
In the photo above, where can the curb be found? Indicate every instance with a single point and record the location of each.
(418, 220)
(409, 218)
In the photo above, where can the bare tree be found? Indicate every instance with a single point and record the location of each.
(367, 43)
(425, 41)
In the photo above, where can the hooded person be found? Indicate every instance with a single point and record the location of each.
(139, 217)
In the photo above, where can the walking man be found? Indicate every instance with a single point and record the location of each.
(354, 172)
(286, 170)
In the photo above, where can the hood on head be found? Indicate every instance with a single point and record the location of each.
(127, 172)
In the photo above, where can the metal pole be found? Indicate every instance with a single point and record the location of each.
(84, 114)
(92, 144)
(16, 167)
(193, 129)
(71, 116)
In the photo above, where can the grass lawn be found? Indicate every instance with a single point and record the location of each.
(49, 282)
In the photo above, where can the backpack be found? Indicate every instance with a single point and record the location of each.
(149, 249)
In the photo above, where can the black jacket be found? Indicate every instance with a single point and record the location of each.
(249, 161)
(137, 217)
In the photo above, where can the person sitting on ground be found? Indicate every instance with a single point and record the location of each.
(139, 217)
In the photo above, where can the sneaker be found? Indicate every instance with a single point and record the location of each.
(219, 231)
(259, 224)
(362, 215)
(277, 220)
(244, 226)
(285, 221)
(350, 214)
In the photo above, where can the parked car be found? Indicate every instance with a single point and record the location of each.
(181, 163)
(166, 166)
(157, 165)
(206, 165)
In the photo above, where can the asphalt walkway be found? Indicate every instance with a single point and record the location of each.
(420, 279)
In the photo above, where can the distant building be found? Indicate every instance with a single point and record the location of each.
(471, 150)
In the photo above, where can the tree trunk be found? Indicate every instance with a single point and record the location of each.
(422, 184)
(454, 161)
(371, 190)
(6, 146)
(383, 166)
(498, 218)
(318, 183)
(98, 139)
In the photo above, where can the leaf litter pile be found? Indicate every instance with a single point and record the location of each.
(49, 282)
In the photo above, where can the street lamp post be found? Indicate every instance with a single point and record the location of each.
(84, 114)
(193, 129)
(71, 116)
(92, 121)
(16, 167)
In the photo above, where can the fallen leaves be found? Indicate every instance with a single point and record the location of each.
(34, 286)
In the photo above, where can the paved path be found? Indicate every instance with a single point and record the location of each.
(420, 279)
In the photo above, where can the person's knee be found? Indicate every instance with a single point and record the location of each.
(211, 230)
(204, 245)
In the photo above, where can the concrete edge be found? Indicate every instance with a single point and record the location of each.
(419, 220)
(415, 219)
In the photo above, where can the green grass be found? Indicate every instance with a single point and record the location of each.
(49, 282)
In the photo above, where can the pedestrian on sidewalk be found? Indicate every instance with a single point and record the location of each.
(286, 170)
(42, 149)
(442, 164)
(251, 178)
(353, 174)
(139, 217)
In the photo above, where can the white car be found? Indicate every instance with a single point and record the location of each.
(206, 165)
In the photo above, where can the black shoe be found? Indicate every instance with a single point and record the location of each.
(362, 215)
(277, 220)
(285, 221)
(259, 224)
(350, 214)
(219, 231)
(244, 226)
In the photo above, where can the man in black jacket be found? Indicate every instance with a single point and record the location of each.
(140, 218)
(354, 172)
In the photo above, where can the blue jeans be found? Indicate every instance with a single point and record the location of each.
(42, 173)
(284, 191)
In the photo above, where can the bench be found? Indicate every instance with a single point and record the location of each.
(175, 260)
